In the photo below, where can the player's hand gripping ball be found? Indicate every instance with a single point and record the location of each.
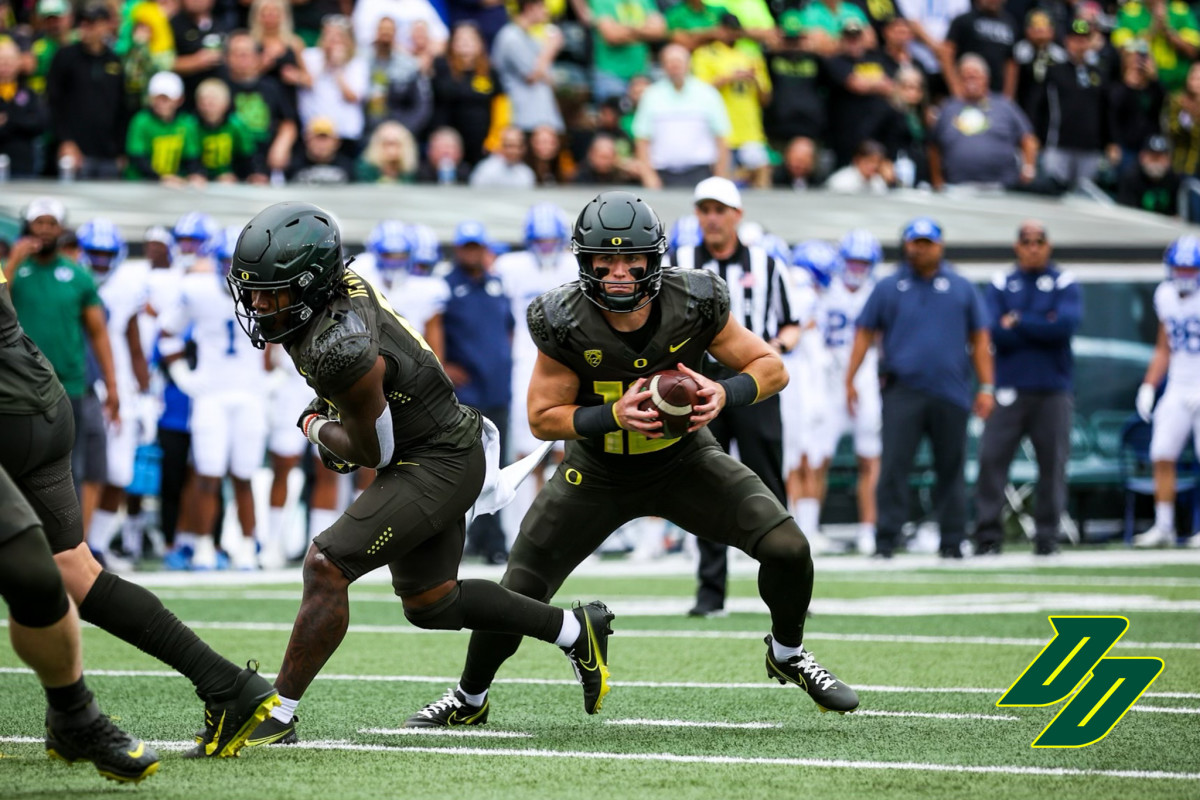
(673, 394)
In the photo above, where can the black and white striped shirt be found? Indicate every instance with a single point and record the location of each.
(760, 296)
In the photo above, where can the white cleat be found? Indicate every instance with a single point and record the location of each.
(1155, 537)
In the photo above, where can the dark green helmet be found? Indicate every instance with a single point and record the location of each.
(287, 266)
(619, 222)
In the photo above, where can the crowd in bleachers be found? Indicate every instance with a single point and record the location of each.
(861, 96)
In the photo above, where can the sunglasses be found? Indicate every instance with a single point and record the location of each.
(1031, 241)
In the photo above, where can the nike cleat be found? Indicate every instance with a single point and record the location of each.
(589, 654)
(88, 735)
(829, 693)
(232, 715)
(451, 711)
(272, 731)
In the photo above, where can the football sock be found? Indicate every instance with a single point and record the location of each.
(1164, 516)
(783, 652)
(277, 518)
(285, 710)
(785, 580)
(808, 514)
(569, 633)
(476, 700)
(185, 539)
(100, 533)
(131, 535)
(131, 613)
(69, 698)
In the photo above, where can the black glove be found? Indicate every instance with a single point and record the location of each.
(315, 406)
(333, 462)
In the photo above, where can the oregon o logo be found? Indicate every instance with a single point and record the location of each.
(245, 275)
(573, 476)
(640, 363)
(616, 240)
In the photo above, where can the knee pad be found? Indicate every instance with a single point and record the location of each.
(785, 542)
(30, 581)
(445, 614)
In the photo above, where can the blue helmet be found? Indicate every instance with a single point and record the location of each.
(548, 224)
(193, 230)
(391, 244)
(102, 245)
(1184, 254)
(859, 251)
(426, 252)
(685, 232)
(818, 257)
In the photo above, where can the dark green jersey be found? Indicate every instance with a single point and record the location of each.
(27, 381)
(691, 310)
(342, 345)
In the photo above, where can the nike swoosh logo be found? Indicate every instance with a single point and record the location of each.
(302, 372)
(266, 739)
(138, 751)
(591, 664)
(211, 747)
(455, 720)
(675, 347)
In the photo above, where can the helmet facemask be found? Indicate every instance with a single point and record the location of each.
(646, 284)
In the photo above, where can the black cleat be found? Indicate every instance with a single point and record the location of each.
(232, 715)
(829, 693)
(451, 711)
(589, 654)
(88, 735)
(272, 731)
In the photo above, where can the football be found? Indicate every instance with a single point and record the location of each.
(672, 393)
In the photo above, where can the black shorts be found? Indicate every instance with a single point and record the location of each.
(18, 516)
(37, 456)
(412, 518)
(702, 490)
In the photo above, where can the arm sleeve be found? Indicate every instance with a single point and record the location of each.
(1067, 314)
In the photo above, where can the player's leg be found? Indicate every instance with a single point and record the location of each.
(1050, 434)
(248, 430)
(1172, 427)
(868, 444)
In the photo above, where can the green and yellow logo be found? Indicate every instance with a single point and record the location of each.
(593, 357)
(1074, 665)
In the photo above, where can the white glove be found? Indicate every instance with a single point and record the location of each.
(147, 410)
(184, 378)
(1145, 401)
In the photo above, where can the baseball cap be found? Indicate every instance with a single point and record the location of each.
(791, 23)
(1157, 144)
(52, 8)
(723, 190)
(470, 232)
(321, 126)
(46, 207)
(166, 84)
(1081, 27)
(852, 25)
(923, 228)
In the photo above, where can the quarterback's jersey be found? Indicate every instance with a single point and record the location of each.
(1180, 316)
(837, 311)
(225, 358)
(124, 294)
(689, 312)
(27, 381)
(342, 344)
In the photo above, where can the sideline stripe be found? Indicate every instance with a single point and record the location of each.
(673, 758)
(450, 732)
(683, 723)
(763, 685)
(929, 715)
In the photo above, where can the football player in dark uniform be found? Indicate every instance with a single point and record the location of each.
(599, 340)
(43, 624)
(35, 414)
(383, 401)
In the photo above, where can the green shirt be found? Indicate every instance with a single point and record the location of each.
(681, 17)
(50, 300)
(623, 60)
(166, 143)
(223, 145)
(817, 15)
(1134, 21)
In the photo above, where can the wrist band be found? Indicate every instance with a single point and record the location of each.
(593, 421)
(987, 388)
(313, 429)
(740, 390)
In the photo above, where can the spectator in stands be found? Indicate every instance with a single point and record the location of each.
(864, 173)
(799, 81)
(825, 21)
(680, 128)
(896, 35)
(22, 116)
(487, 17)
(1034, 311)
(146, 47)
(321, 162)
(52, 31)
(551, 165)
(1033, 55)
(163, 143)
(1075, 104)
(860, 94)
(692, 23)
(989, 32)
(86, 89)
(979, 136)
(525, 62)
(1183, 125)
(740, 75)
(908, 138)
(227, 150)
(443, 162)
(407, 15)
(1170, 32)
(422, 47)
(399, 90)
(603, 167)
(340, 81)
(464, 88)
(506, 168)
(1134, 106)
(623, 31)
(390, 156)
(1149, 183)
(759, 29)
(199, 36)
(799, 166)
(261, 103)
(308, 14)
(279, 48)
(934, 330)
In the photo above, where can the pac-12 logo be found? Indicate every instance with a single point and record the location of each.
(1077, 655)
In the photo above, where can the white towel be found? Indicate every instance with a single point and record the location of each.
(500, 485)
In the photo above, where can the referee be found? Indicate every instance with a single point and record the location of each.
(759, 297)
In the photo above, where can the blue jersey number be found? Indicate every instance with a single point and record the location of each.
(1183, 335)
(231, 327)
(836, 324)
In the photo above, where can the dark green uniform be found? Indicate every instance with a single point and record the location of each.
(411, 517)
(607, 481)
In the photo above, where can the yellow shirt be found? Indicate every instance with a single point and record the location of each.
(743, 97)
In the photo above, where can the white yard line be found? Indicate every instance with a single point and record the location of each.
(684, 723)
(868, 712)
(450, 732)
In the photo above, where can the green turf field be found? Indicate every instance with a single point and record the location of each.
(691, 715)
